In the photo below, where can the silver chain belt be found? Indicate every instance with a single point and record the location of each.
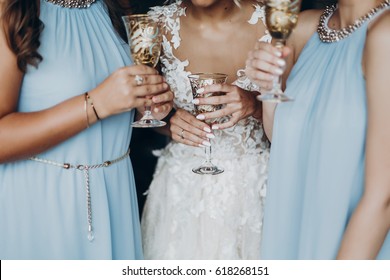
(85, 169)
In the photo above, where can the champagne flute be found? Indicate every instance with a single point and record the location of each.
(281, 18)
(198, 81)
(144, 38)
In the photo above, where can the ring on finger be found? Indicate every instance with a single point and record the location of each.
(138, 80)
(182, 134)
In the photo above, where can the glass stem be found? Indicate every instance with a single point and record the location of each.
(147, 113)
(207, 151)
(277, 82)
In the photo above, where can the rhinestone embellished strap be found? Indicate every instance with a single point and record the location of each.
(328, 35)
(80, 4)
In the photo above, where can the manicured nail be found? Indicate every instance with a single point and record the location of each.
(281, 62)
(200, 117)
(195, 101)
(206, 143)
(211, 136)
(200, 90)
(207, 129)
(278, 71)
(215, 127)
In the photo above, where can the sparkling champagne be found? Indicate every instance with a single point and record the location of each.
(201, 80)
(281, 17)
(145, 39)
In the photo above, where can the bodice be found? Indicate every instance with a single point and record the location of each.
(247, 136)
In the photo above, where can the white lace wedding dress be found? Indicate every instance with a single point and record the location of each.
(191, 216)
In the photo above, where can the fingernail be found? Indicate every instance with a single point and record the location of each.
(207, 129)
(155, 110)
(195, 101)
(278, 53)
(215, 127)
(281, 62)
(202, 146)
(278, 71)
(211, 136)
(200, 90)
(206, 143)
(155, 99)
(200, 117)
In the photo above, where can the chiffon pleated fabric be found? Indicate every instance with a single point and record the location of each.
(43, 208)
(317, 160)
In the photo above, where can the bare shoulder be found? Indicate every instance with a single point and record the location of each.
(308, 22)
(378, 34)
(307, 25)
(376, 58)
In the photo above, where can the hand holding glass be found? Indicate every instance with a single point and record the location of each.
(144, 38)
(198, 81)
(281, 18)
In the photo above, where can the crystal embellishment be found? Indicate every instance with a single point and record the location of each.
(80, 4)
(328, 35)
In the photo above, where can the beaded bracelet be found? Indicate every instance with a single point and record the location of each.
(90, 102)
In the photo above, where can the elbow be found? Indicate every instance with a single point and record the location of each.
(387, 211)
(380, 201)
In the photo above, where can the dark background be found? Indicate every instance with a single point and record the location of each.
(145, 140)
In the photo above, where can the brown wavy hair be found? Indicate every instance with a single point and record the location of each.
(22, 27)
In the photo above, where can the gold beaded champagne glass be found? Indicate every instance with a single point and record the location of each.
(144, 38)
(281, 18)
(200, 80)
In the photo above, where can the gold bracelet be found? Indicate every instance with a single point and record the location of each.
(90, 102)
(86, 108)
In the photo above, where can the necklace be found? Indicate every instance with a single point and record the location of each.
(72, 3)
(328, 35)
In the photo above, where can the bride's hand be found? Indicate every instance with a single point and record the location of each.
(186, 129)
(239, 104)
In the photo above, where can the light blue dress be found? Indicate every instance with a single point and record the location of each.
(317, 160)
(43, 208)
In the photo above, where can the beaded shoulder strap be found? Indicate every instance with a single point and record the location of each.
(80, 4)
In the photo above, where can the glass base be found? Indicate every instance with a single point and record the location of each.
(274, 97)
(208, 169)
(145, 123)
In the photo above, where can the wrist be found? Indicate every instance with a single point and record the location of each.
(91, 113)
(95, 106)
(258, 109)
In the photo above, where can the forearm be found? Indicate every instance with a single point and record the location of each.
(367, 229)
(268, 118)
(26, 134)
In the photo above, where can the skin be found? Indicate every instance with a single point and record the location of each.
(370, 222)
(222, 36)
(25, 134)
